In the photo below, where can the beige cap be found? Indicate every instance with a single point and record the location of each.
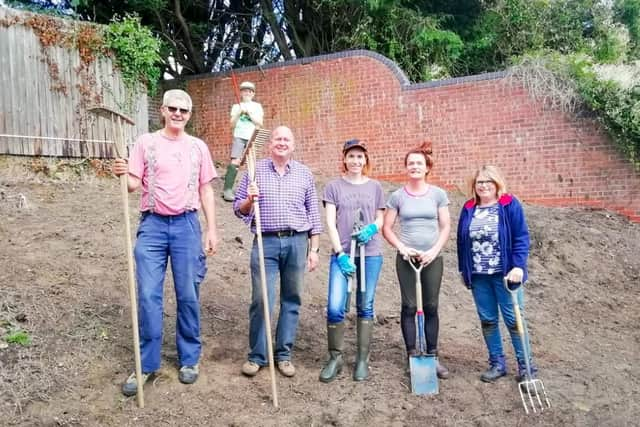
(247, 85)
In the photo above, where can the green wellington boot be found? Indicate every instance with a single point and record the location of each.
(229, 179)
(335, 338)
(365, 328)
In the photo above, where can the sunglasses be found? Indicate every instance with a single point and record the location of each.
(175, 109)
(484, 182)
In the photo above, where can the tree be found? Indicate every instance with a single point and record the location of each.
(427, 38)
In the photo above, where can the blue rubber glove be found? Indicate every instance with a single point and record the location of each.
(366, 233)
(347, 267)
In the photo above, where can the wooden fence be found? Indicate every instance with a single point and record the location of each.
(47, 85)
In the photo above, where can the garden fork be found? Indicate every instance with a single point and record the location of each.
(530, 388)
(358, 223)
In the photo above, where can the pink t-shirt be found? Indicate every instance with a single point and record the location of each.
(172, 171)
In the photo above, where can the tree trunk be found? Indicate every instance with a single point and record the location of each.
(276, 29)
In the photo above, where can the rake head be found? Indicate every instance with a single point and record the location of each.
(117, 119)
(533, 395)
(258, 140)
(109, 113)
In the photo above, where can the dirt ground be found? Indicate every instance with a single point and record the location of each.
(63, 281)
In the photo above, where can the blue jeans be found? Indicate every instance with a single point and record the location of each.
(338, 288)
(489, 294)
(178, 238)
(285, 257)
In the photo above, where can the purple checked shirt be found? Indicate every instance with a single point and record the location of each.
(287, 202)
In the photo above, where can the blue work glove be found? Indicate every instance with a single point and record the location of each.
(347, 267)
(366, 233)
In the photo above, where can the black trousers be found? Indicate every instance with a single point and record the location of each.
(430, 281)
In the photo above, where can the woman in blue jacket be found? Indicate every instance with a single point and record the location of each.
(493, 244)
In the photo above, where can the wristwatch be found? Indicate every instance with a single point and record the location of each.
(316, 250)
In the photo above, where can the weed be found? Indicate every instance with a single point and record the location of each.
(19, 337)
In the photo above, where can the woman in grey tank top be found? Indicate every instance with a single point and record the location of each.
(422, 211)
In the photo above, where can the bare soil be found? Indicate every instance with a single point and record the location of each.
(63, 281)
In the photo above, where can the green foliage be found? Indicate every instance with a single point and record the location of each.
(417, 43)
(514, 27)
(627, 12)
(611, 46)
(617, 103)
(19, 337)
(137, 51)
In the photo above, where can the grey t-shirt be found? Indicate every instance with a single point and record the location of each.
(418, 216)
(347, 198)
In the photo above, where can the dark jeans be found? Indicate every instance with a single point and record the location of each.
(430, 280)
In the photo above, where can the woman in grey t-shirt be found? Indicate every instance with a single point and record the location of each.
(344, 198)
(423, 214)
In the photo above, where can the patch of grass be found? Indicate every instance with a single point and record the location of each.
(19, 337)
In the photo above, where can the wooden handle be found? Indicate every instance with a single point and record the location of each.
(251, 166)
(518, 316)
(124, 190)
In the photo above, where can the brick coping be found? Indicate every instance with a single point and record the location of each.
(395, 69)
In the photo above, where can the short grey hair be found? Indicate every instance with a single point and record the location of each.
(176, 95)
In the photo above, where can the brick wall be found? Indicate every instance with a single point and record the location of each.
(548, 157)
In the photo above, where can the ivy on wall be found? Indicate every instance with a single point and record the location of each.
(134, 49)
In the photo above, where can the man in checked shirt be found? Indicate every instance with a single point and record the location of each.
(291, 228)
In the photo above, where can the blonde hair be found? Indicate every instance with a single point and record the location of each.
(176, 95)
(494, 174)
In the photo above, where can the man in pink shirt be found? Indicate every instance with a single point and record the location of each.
(174, 171)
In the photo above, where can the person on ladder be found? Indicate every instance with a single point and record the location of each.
(343, 197)
(245, 117)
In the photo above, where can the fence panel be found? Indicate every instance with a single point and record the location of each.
(46, 91)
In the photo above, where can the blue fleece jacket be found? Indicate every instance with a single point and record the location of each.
(513, 234)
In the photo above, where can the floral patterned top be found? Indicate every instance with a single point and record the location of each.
(485, 242)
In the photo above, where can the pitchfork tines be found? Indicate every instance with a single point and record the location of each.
(530, 393)
(529, 386)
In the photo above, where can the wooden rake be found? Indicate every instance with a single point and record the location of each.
(117, 121)
(258, 140)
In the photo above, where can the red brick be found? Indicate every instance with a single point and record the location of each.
(470, 123)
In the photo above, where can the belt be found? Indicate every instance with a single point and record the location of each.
(185, 213)
(281, 233)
